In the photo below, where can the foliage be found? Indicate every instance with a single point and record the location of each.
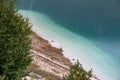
(14, 41)
(78, 73)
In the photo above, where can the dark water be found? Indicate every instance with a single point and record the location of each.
(97, 20)
(91, 18)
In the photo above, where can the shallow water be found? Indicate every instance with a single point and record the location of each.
(87, 28)
(75, 46)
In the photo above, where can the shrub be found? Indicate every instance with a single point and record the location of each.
(14, 41)
(78, 73)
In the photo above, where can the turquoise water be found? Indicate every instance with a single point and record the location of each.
(89, 29)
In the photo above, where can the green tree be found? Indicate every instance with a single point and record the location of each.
(14, 41)
(78, 73)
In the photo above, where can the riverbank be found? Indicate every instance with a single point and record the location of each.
(47, 61)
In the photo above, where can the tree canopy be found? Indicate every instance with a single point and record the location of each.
(77, 72)
(14, 41)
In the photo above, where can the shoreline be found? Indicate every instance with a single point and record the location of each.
(57, 40)
(52, 43)
(48, 59)
(62, 64)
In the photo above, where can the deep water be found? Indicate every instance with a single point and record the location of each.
(96, 20)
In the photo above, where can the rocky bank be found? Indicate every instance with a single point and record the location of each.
(48, 62)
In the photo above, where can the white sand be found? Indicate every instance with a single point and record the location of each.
(74, 46)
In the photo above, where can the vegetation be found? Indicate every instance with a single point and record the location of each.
(14, 42)
(47, 75)
(78, 73)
